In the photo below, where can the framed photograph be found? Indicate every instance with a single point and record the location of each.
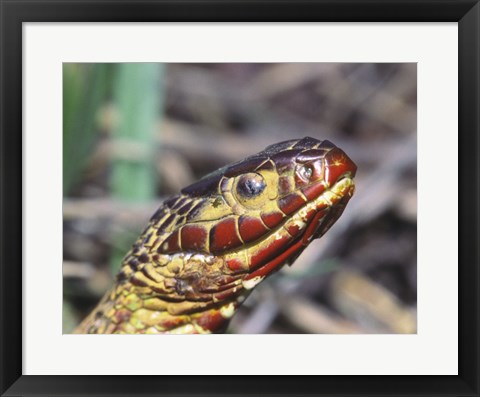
(297, 179)
(228, 220)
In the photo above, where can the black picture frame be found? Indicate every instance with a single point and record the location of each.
(15, 12)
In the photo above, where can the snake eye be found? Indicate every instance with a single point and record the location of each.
(250, 185)
(305, 172)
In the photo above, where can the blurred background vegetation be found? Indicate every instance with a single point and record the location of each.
(137, 133)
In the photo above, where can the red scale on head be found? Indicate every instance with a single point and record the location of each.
(336, 164)
(194, 237)
(171, 244)
(272, 219)
(291, 202)
(251, 228)
(313, 191)
(223, 236)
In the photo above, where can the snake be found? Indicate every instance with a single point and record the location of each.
(205, 249)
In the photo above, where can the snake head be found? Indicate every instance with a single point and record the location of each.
(206, 249)
(242, 204)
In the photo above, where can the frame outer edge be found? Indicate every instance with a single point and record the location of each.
(469, 197)
(11, 196)
(241, 10)
(10, 170)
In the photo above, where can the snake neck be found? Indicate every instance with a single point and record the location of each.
(129, 313)
(181, 293)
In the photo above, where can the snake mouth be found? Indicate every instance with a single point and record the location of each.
(320, 214)
(337, 198)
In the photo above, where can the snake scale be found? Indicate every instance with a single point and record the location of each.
(205, 249)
